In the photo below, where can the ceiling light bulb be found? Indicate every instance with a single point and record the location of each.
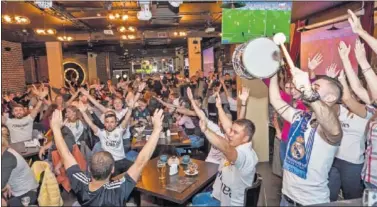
(117, 76)
(50, 31)
(124, 37)
(60, 38)
(69, 38)
(98, 14)
(117, 15)
(175, 33)
(122, 29)
(7, 18)
(131, 37)
(132, 29)
(111, 17)
(17, 18)
(124, 17)
(124, 76)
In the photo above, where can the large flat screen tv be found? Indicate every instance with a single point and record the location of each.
(256, 19)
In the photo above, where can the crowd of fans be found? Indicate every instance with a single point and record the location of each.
(328, 133)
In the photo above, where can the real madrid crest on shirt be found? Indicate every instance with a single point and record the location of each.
(298, 155)
(298, 148)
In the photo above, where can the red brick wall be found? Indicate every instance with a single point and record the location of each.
(12, 67)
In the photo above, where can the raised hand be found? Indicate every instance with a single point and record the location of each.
(331, 71)
(341, 76)
(218, 100)
(56, 119)
(301, 80)
(354, 22)
(189, 94)
(158, 118)
(244, 94)
(360, 53)
(142, 86)
(344, 50)
(315, 61)
(81, 106)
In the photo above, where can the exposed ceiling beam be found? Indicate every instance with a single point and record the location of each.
(57, 10)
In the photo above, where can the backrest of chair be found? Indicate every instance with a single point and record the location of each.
(252, 193)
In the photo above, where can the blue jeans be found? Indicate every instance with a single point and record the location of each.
(283, 150)
(346, 176)
(205, 199)
(370, 185)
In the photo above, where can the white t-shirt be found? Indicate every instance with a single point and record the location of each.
(215, 155)
(120, 115)
(187, 122)
(313, 189)
(112, 142)
(232, 180)
(232, 104)
(77, 128)
(20, 129)
(353, 137)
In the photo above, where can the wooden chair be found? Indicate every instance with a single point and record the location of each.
(252, 193)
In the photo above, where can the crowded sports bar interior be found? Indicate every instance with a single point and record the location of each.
(188, 103)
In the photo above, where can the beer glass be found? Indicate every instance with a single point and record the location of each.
(161, 169)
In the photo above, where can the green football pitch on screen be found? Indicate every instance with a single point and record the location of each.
(240, 25)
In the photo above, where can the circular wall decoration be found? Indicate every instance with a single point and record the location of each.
(73, 71)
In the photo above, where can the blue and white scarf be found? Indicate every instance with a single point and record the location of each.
(298, 152)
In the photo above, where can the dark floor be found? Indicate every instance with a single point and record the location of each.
(269, 194)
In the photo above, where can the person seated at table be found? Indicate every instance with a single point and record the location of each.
(21, 126)
(17, 179)
(237, 166)
(186, 122)
(98, 190)
(141, 113)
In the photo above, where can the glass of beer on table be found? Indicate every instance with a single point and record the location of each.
(161, 168)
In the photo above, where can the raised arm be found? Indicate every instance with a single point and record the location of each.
(366, 69)
(224, 120)
(93, 100)
(83, 109)
(223, 145)
(282, 108)
(358, 29)
(243, 96)
(74, 96)
(354, 81)
(41, 96)
(328, 120)
(56, 124)
(353, 105)
(313, 64)
(145, 154)
(196, 108)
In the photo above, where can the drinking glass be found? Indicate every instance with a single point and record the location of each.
(161, 168)
(369, 197)
(25, 201)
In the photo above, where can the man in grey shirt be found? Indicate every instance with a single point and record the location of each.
(21, 126)
(17, 179)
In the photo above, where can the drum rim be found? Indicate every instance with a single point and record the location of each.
(252, 74)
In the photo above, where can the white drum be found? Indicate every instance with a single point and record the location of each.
(258, 58)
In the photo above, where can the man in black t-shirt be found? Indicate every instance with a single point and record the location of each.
(98, 190)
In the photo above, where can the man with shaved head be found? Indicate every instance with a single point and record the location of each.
(99, 191)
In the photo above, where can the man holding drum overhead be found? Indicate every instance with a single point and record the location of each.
(314, 136)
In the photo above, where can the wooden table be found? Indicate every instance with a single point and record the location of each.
(150, 184)
(24, 151)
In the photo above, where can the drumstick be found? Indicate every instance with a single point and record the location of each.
(279, 39)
